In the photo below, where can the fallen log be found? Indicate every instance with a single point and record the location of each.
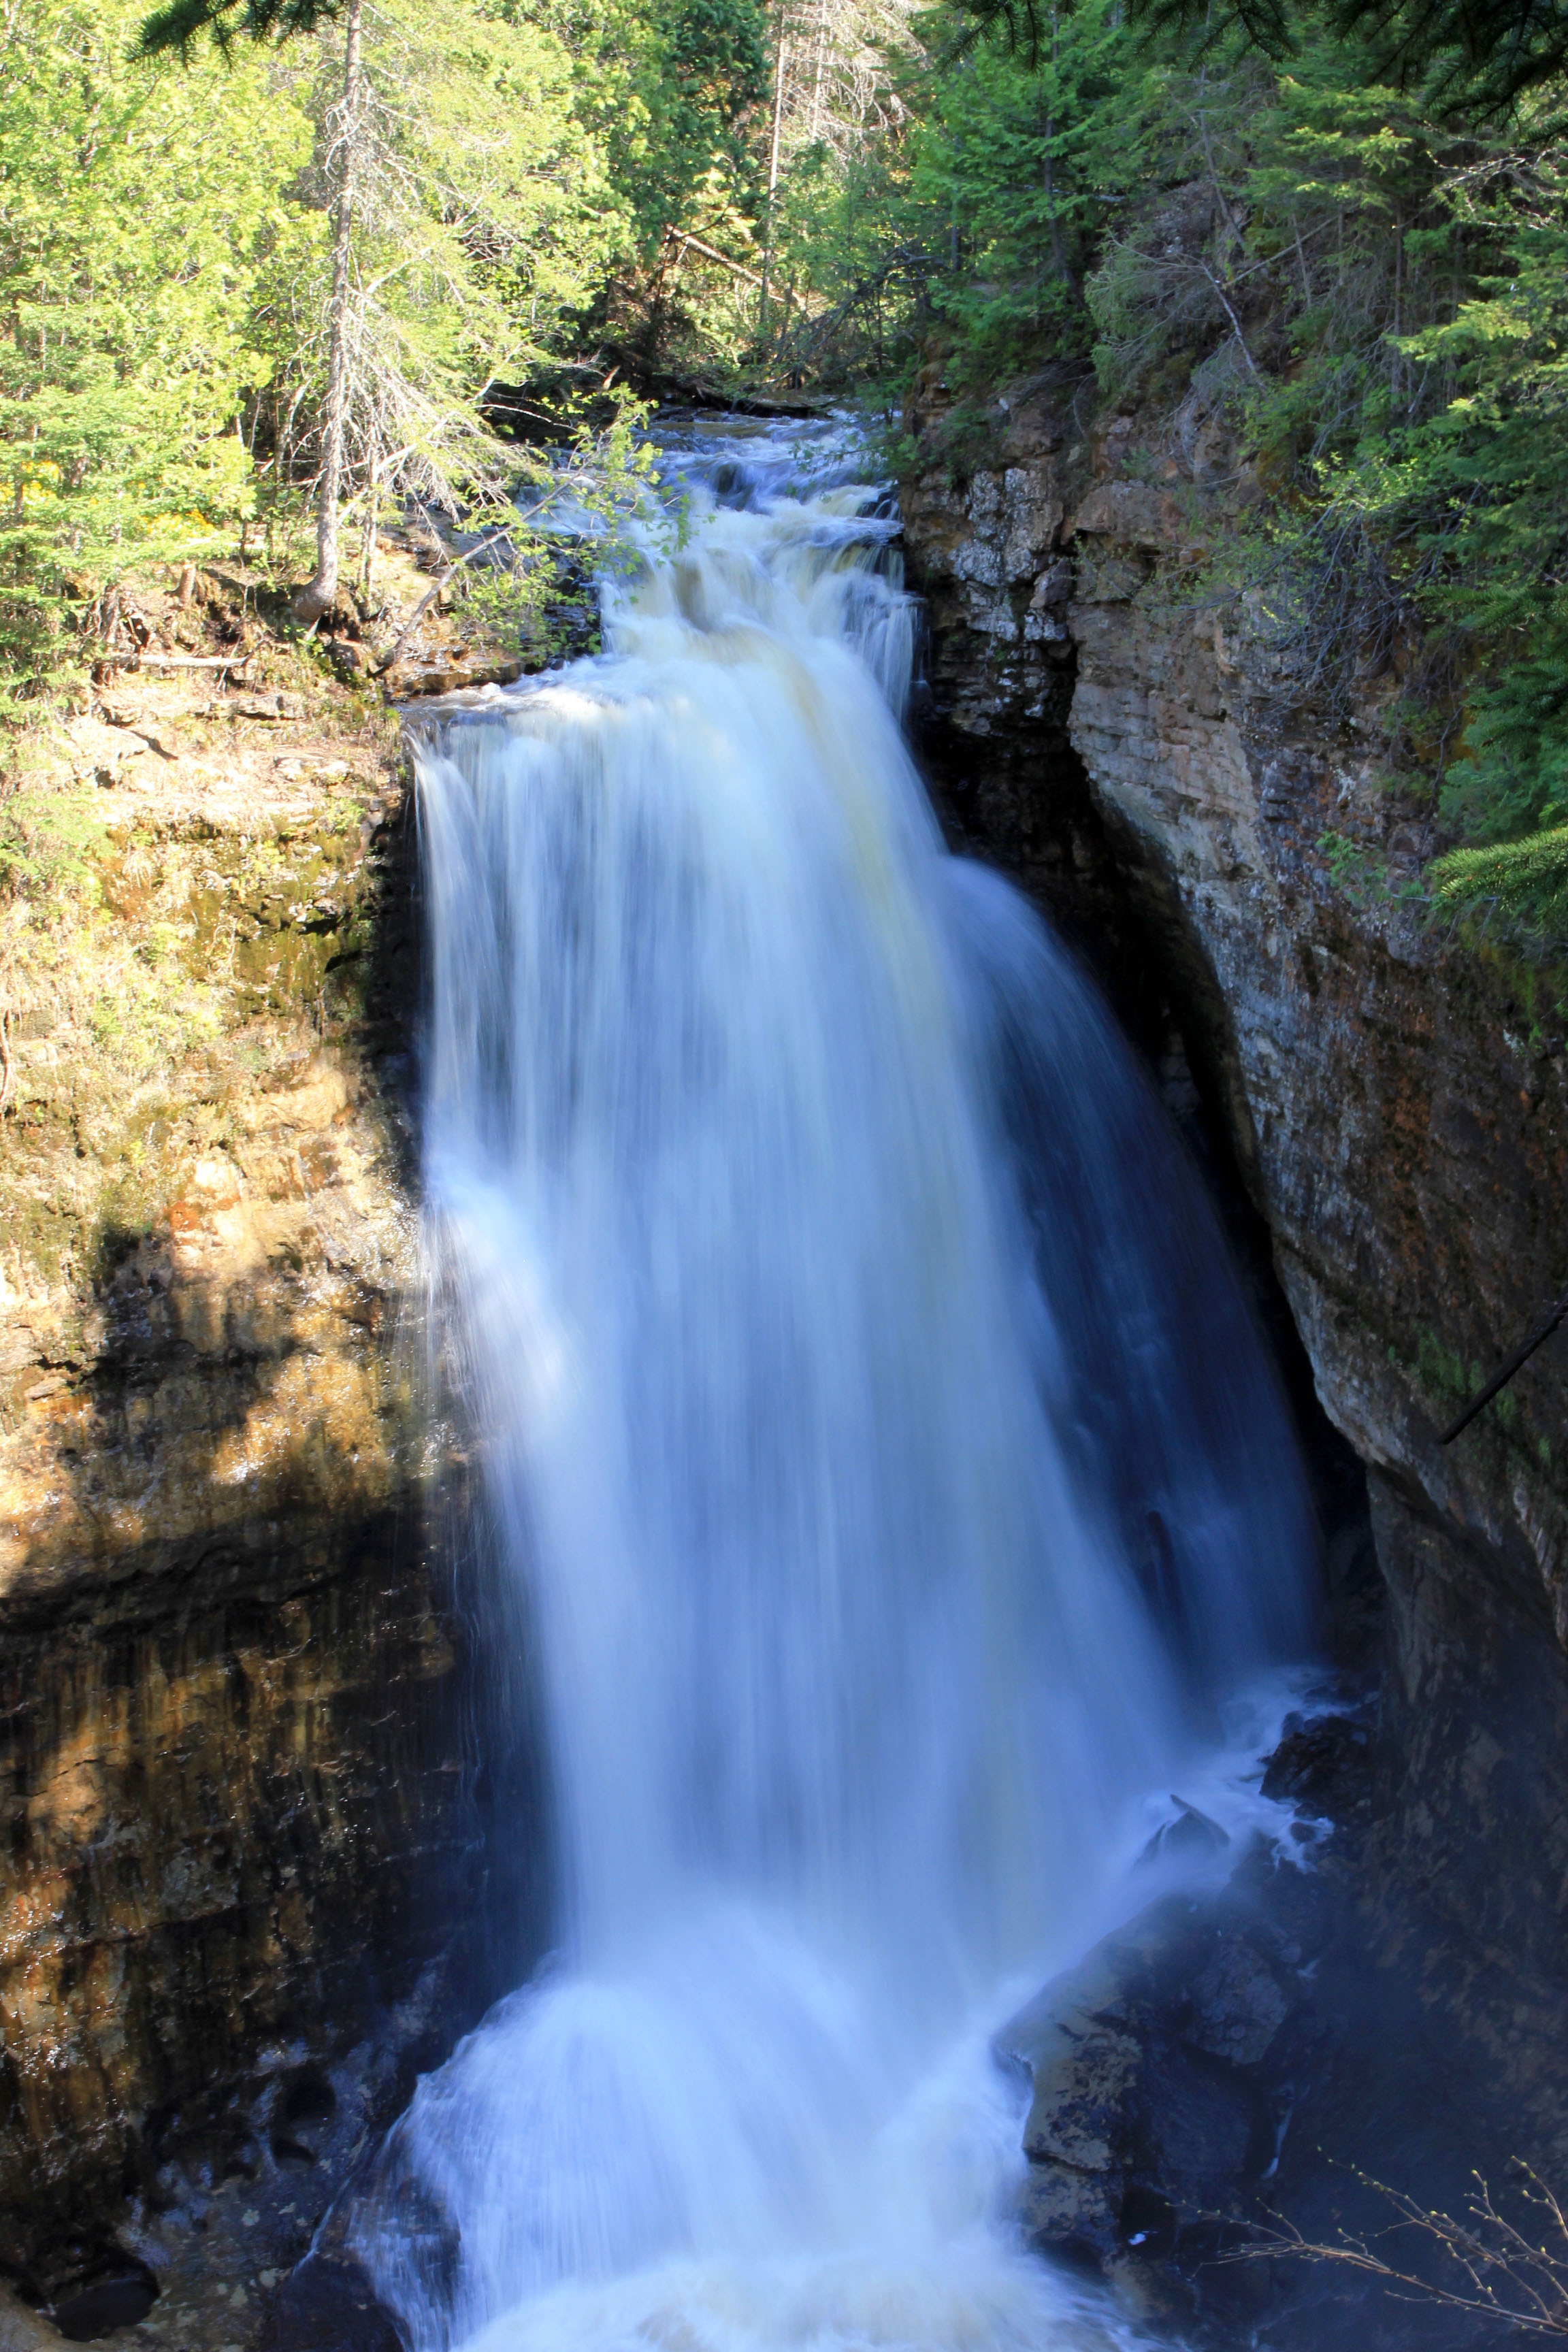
(141, 659)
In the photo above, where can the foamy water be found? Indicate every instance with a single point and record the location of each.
(895, 1480)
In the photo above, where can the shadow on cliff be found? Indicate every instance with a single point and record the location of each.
(1023, 803)
(272, 1778)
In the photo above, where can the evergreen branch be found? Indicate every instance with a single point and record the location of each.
(1528, 878)
(182, 24)
(1476, 56)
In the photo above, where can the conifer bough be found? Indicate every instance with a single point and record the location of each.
(1476, 54)
(180, 26)
(184, 23)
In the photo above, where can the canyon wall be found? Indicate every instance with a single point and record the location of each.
(240, 1691)
(243, 1687)
(1154, 765)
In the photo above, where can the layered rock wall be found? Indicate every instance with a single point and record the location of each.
(1395, 1101)
(241, 1697)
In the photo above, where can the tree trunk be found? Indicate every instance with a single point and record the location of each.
(317, 598)
(367, 537)
(1058, 250)
(773, 173)
(821, 63)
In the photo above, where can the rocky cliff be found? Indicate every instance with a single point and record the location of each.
(239, 1695)
(1155, 768)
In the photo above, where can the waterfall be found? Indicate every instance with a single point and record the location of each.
(893, 1475)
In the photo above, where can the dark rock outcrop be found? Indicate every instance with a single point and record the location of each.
(1210, 2080)
(1394, 1103)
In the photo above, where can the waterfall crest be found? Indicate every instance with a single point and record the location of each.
(877, 1432)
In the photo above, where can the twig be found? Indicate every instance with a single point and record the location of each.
(4, 1059)
(1502, 2272)
(1234, 322)
(828, 322)
(712, 253)
(1437, 781)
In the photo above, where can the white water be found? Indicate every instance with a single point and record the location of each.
(894, 1474)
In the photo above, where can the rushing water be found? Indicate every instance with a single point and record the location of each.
(896, 1481)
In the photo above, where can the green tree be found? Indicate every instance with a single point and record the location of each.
(1468, 55)
(178, 27)
(1022, 164)
(136, 218)
(467, 210)
(483, 223)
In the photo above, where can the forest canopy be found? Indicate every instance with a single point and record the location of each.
(1340, 229)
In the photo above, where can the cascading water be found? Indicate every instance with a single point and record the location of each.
(894, 1475)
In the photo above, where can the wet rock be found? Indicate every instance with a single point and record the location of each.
(22, 2330)
(1220, 2064)
(301, 2117)
(237, 1686)
(119, 2295)
(1085, 2063)
(1067, 2212)
(1083, 2081)
(1150, 2107)
(1195, 2127)
(1191, 1834)
(329, 2305)
(1322, 1763)
(1238, 2005)
(453, 674)
(1147, 2225)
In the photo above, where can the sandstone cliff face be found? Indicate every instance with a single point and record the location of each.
(1397, 1107)
(238, 1696)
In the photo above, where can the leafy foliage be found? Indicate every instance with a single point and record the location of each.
(1327, 244)
(531, 590)
(165, 270)
(1419, 423)
(1343, 271)
(523, 171)
(182, 24)
(131, 243)
(484, 221)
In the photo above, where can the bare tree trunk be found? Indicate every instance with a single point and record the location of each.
(367, 536)
(1058, 249)
(821, 62)
(317, 597)
(773, 171)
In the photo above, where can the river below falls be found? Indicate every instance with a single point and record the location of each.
(902, 1505)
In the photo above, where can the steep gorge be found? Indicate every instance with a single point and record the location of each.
(1394, 1102)
(245, 1701)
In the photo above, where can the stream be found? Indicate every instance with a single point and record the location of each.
(904, 1506)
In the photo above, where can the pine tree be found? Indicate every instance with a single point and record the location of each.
(178, 27)
(138, 218)
(1470, 55)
